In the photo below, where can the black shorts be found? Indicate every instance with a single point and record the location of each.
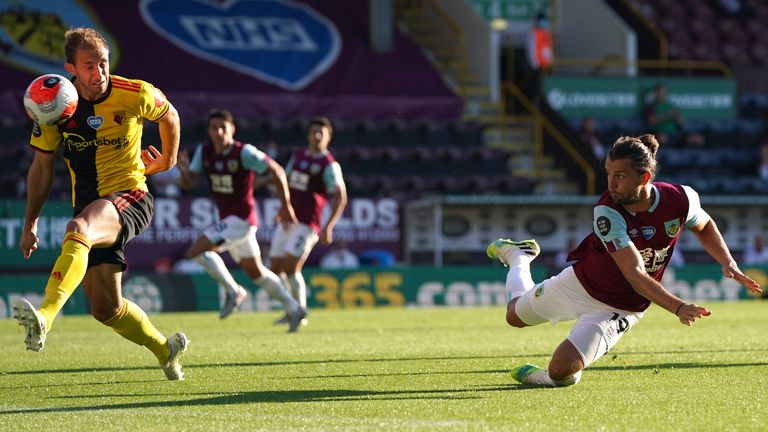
(135, 209)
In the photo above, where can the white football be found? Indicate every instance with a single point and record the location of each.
(50, 99)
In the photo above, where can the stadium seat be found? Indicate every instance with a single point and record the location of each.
(755, 28)
(735, 53)
(449, 155)
(452, 185)
(759, 52)
(679, 158)
(680, 49)
(513, 186)
(706, 158)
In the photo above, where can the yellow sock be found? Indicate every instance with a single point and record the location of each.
(133, 324)
(67, 273)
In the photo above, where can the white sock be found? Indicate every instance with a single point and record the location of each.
(298, 288)
(541, 377)
(215, 267)
(519, 280)
(274, 286)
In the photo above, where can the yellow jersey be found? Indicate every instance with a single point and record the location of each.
(101, 142)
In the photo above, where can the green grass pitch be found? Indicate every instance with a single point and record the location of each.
(388, 369)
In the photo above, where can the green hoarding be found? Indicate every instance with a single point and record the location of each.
(605, 97)
(367, 287)
(51, 229)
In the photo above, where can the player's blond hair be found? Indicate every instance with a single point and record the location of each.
(82, 37)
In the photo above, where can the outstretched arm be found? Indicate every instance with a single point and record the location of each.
(630, 262)
(712, 241)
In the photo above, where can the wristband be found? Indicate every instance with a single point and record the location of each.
(678, 308)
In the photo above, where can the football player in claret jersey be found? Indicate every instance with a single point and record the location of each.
(314, 178)
(229, 167)
(618, 267)
(101, 144)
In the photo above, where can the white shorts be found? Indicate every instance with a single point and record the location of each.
(297, 241)
(236, 236)
(598, 326)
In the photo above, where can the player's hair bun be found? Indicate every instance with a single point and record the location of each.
(650, 141)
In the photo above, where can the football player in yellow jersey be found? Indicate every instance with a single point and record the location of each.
(101, 144)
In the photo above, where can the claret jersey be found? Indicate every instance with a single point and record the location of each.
(101, 143)
(653, 232)
(230, 175)
(312, 179)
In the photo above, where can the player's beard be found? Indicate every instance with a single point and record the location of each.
(626, 200)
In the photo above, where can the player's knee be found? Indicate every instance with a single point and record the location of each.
(77, 225)
(512, 318)
(104, 313)
(276, 264)
(565, 363)
(190, 254)
(253, 274)
(562, 371)
(251, 268)
(292, 265)
(195, 252)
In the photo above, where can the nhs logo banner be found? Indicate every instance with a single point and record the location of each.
(282, 42)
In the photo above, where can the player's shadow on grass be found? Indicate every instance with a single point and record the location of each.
(659, 366)
(654, 366)
(270, 363)
(280, 396)
(508, 358)
(404, 373)
(370, 360)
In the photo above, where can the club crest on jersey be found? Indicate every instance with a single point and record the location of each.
(672, 227)
(648, 232)
(232, 165)
(254, 37)
(118, 117)
(95, 122)
(314, 169)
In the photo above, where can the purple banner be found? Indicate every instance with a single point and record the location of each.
(367, 224)
(277, 59)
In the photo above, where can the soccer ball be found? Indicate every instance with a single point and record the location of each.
(50, 99)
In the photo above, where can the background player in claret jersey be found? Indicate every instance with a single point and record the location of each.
(229, 167)
(314, 177)
(618, 267)
(102, 146)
